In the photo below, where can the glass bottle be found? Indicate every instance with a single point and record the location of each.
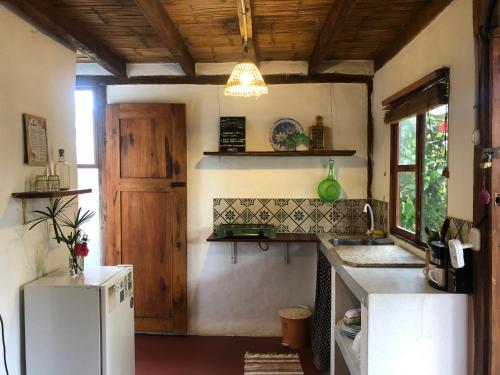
(62, 170)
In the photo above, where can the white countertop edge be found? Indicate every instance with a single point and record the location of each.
(367, 281)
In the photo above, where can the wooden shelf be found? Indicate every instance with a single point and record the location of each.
(24, 195)
(282, 237)
(49, 194)
(284, 153)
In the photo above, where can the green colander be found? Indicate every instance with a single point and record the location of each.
(329, 189)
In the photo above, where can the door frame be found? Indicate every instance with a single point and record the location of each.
(486, 262)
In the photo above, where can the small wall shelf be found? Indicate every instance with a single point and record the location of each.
(49, 194)
(24, 195)
(284, 153)
(285, 238)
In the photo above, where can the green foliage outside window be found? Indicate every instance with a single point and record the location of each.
(434, 195)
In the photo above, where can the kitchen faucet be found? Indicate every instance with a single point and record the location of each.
(367, 208)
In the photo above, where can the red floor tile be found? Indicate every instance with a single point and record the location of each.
(205, 355)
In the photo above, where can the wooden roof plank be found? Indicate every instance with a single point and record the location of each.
(331, 30)
(70, 33)
(158, 18)
(423, 18)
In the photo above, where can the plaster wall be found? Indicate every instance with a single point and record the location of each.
(244, 299)
(447, 41)
(37, 76)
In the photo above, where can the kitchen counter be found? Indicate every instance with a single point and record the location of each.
(365, 281)
(405, 323)
(381, 256)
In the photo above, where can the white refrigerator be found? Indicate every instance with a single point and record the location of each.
(81, 325)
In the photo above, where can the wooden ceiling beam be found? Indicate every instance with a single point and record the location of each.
(70, 33)
(332, 28)
(271, 79)
(423, 18)
(245, 22)
(160, 21)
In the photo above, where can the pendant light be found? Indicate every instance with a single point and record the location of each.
(245, 79)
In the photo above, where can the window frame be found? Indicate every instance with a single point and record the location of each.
(95, 119)
(99, 116)
(417, 168)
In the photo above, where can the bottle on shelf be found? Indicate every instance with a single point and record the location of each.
(62, 170)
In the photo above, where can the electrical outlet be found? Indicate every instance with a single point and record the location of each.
(497, 199)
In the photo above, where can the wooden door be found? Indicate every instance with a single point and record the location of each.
(146, 208)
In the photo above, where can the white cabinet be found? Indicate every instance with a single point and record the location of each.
(407, 327)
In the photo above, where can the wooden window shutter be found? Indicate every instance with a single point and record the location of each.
(421, 96)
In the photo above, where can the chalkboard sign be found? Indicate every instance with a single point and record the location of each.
(232, 134)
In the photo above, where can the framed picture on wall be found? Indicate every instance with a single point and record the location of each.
(35, 140)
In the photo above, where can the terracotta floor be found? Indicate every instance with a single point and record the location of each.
(196, 355)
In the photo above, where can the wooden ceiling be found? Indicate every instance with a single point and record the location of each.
(114, 32)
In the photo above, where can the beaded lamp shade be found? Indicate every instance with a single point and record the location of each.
(245, 80)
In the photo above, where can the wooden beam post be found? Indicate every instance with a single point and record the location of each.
(246, 29)
(160, 21)
(70, 33)
(429, 11)
(331, 30)
(271, 79)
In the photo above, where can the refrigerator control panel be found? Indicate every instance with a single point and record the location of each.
(121, 291)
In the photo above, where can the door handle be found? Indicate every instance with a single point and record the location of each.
(177, 184)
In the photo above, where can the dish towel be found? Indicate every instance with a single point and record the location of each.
(320, 330)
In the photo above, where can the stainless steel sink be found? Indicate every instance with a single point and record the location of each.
(360, 241)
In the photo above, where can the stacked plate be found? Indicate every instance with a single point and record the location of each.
(349, 330)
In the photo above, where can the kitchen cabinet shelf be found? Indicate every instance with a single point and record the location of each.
(284, 153)
(345, 346)
(24, 195)
(285, 238)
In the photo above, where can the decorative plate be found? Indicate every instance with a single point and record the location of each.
(282, 130)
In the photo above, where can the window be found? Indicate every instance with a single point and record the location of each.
(88, 170)
(419, 156)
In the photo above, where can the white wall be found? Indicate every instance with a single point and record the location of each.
(447, 41)
(37, 77)
(243, 299)
(266, 67)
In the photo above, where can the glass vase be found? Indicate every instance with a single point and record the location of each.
(76, 265)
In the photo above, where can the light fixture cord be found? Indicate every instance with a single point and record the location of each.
(245, 37)
(244, 11)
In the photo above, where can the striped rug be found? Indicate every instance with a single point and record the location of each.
(272, 364)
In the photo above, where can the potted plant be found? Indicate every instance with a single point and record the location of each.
(74, 238)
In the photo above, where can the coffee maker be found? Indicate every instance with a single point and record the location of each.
(438, 265)
(450, 267)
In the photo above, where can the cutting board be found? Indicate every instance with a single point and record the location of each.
(390, 256)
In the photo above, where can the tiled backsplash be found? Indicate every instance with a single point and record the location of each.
(309, 215)
(459, 229)
(344, 217)
(380, 214)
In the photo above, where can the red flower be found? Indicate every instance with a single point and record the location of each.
(443, 126)
(81, 249)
